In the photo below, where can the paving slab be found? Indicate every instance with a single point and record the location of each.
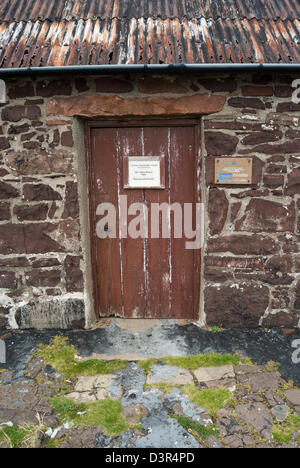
(293, 397)
(230, 384)
(158, 427)
(260, 381)
(82, 397)
(233, 441)
(137, 325)
(105, 380)
(161, 373)
(273, 398)
(256, 414)
(134, 413)
(20, 403)
(281, 412)
(247, 369)
(207, 374)
(83, 437)
(102, 394)
(88, 383)
(85, 383)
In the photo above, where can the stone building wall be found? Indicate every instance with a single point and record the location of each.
(251, 260)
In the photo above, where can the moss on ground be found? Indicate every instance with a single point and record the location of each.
(61, 356)
(199, 431)
(283, 432)
(17, 436)
(272, 366)
(106, 414)
(195, 361)
(52, 443)
(212, 399)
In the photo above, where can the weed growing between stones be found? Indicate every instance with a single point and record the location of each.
(61, 356)
(212, 399)
(199, 431)
(17, 437)
(282, 432)
(272, 366)
(52, 443)
(106, 414)
(195, 361)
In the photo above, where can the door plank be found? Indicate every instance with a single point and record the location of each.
(107, 250)
(182, 184)
(158, 250)
(130, 143)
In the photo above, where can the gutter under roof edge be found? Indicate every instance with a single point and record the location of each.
(164, 69)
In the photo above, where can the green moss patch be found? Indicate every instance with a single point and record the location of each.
(17, 436)
(52, 443)
(148, 363)
(282, 432)
(106, 414)
(197, 430)
(195, 361)
(204, 360)
(61, 356)
(212, 399)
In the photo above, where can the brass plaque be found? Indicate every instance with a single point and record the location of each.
(233, 171)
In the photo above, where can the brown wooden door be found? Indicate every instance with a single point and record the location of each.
(144, 278)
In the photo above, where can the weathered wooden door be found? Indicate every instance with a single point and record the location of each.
(144, 277)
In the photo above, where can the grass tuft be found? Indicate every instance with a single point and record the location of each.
(148, 363)
(212, 399)
(105, 413)
(195, 361)
(16, 436)
(61, 356)
(198, 430)
(283, 432)
(204, 360)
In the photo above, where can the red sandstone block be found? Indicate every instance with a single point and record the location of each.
(257, 91)
(31, 212)
(273, 180)
(8, 280)
(42, 278)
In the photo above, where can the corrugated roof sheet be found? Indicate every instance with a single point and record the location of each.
(89, 32)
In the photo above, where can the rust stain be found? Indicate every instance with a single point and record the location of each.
(75, 32)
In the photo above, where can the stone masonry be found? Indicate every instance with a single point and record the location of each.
(251, 261)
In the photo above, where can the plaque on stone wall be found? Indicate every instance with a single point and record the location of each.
(144, 172)
(232, 171)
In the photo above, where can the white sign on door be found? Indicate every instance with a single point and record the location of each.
(144, 172)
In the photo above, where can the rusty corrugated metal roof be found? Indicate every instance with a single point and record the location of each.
(40, 33)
